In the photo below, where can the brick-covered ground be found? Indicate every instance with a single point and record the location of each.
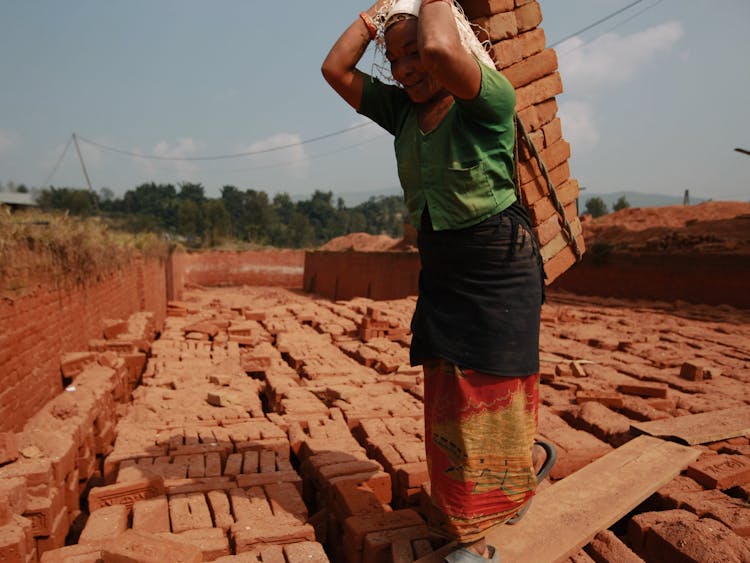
(270, 425)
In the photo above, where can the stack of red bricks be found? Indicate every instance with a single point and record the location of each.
(47, 467)
(520, 52)
(375, 324)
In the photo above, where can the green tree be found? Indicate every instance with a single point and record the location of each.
(596, 207)
(217, 222)
(158, 201)
(621, 203)
(190, 221)
(74, 201)
(193, 192)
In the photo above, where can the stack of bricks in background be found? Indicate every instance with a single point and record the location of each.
(47, 467)
(519, 50)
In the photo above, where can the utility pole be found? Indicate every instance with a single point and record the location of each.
(85, 173)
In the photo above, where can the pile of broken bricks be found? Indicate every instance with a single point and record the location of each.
(263, 428)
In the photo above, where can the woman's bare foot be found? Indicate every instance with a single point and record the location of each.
(538, 457)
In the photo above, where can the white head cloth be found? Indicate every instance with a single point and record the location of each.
(468, 38)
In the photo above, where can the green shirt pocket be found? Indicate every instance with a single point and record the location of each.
(467, 192)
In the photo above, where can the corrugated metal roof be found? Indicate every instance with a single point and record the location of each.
(10, 198)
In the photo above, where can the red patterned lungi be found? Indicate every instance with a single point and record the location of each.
(479, 434)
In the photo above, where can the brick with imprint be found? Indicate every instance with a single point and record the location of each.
(720, 471)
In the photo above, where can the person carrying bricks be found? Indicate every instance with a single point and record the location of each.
(475, 329)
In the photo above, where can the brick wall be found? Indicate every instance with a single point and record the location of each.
(377, 275)
(48, 321)
(281, 268)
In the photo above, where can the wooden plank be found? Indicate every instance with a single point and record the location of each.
(700, 428)
(566, 516)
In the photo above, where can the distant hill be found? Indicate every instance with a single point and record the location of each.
(635, 199)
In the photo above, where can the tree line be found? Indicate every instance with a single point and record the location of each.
(184, 212)
(596, 207)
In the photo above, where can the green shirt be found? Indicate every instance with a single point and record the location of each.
(463, 169)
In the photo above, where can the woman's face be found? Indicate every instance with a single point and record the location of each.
(402, 52)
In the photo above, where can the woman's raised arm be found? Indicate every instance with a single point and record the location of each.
(442, 53)
(339, 67)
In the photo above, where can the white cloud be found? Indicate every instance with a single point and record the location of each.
(185, 147)
(611, 60)
(590, 70)
(7, 142)
(294, 154)
(579, 124)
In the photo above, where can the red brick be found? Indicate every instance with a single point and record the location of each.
(412, 475)
(305, 552)
(377, 545)
(13, 499)
(561, 262)
(477, 8)
(8, 447)
(271, 530)
(218, 501)
(378, 481)
(13, 544)
(285, 498)
(536, 189)
(606, 398)
(200, 515)
(533, 68)
(105, 523)
(539, 91)
(56, 538)
(125, 493)
(506, 53)
(720, 471)
(528, 16)
(357, 527)
(606, 546)
(644, 389)
(249, 506)
(500, 26)
(532, 42)
(544, 208)
(42, 511)
(151, 515)
(552, 156)
(77, 553)
(350, 498)
(640, 526)
(212, 542)
(694, 372)
(138, 547)
(702, 540)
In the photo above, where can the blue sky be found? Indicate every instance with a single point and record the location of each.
(655, 101)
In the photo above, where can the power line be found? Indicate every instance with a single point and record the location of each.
(57, 165)
(597, 22)
(224, 156)
(619, 24)
(295, 161)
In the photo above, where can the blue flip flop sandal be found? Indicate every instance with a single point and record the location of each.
(463, 555)
(540, 476)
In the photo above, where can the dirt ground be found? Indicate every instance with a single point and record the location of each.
(706, 228)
